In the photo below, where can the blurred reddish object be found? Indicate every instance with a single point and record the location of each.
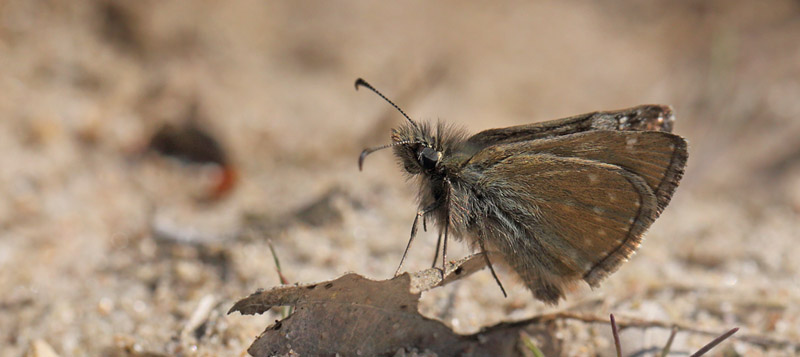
(193, 145)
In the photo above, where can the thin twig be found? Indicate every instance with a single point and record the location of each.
(615, 332)
(715, 342)
(667, 347)
(761, 341)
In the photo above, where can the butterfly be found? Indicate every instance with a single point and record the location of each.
(558, 201)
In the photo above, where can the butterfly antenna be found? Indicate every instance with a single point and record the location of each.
(374, 149)
(361, 82)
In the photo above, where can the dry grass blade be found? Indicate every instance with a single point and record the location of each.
(288, 309)
(530, 345)
(283, 279)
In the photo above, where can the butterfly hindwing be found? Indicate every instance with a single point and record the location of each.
(570, 207)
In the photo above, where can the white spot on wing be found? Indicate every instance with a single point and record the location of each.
(592, 178)
(630, 142)
(612, 197)
(601, 232)
(597, 210)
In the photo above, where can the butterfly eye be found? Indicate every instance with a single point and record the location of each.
(428, 158)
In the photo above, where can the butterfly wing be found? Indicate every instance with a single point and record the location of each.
(570, 207)
(640, 118)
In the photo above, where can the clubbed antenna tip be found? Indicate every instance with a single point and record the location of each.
(362, 83)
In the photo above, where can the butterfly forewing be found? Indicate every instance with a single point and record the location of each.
(640, 118)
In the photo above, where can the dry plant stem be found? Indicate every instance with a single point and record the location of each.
(287, 310)
(671, 338)
(700, 352)
(615, 332)
(199, 316)
(715, 342)
(761, 341)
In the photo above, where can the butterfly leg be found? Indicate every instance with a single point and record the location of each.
(436, 253)
(491, 268)
(444, 247)
(420, 213)
(446, 224)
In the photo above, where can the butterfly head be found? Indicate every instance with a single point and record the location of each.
(420, 147)
(414, 146)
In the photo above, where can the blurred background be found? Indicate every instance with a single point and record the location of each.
(151, 150)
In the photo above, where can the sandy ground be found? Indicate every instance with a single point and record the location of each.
(105, 250)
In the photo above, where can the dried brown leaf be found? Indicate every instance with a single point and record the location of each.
(353, 315)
